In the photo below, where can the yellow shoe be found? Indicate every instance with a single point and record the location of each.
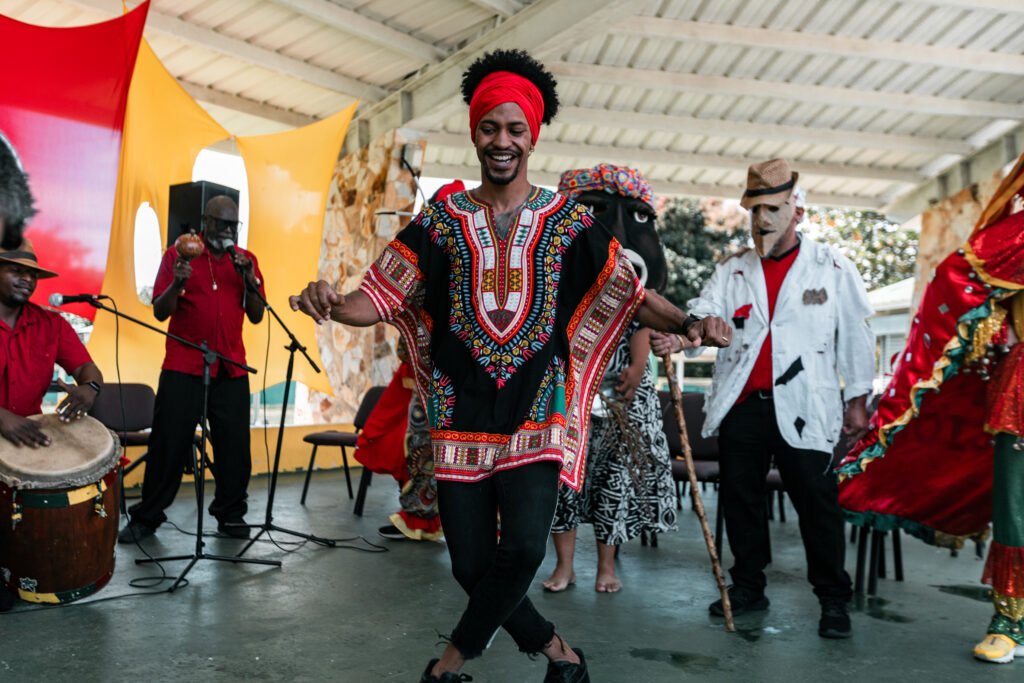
(998, 648)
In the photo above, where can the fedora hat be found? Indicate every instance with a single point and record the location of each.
(769, 182)
(25, 255)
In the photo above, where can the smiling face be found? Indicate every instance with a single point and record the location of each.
(17, 283)
(503, 144)
(632, 222)
(774, 227)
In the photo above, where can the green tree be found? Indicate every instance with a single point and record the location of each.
(884, 252)
(694, 244)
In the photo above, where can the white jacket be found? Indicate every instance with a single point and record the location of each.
(818, 329)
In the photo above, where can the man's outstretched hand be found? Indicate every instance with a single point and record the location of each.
(317, 300)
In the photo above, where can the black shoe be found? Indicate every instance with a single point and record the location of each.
(742, 600)
(835, 622)
(7, 599)
(392, 532)
(135, 532)
(446, 677)
(235, 527)
(567, 672)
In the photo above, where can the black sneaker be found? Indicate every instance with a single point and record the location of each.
(742, 600)
(392, 532)
(235, 527)
(135, 532)
(565, 672)
(446, 677)
(835, 622)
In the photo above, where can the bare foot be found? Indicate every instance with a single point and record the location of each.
(607, 582)
(560, 580)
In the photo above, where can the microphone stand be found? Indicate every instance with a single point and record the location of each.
(198, 461)
(268, 521)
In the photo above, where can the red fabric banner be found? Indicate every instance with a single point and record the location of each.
(63, 93)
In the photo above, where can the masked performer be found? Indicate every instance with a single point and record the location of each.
(945, 452)
(510, 299)
(799, 308)
(628, 488)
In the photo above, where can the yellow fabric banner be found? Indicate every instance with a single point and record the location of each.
(289, 180)
(164, 131)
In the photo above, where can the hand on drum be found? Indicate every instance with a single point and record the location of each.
(21, 431)
(77, 403)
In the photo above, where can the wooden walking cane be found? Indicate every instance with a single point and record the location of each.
(698, 504)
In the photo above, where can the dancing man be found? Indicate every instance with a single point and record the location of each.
(510, 299)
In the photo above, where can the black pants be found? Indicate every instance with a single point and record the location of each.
(179, 407)
(497, 573)
(748, 439)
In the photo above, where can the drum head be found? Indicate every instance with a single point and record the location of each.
(80, 452)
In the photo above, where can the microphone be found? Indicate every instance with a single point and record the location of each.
(228, 245)
(61, 299)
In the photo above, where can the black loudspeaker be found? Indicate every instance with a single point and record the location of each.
(186, 203)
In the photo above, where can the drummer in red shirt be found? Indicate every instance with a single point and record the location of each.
(32, 340)
(206, 300)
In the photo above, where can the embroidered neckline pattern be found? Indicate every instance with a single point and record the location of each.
(504, 292)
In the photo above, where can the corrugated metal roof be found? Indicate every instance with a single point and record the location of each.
(869, 98)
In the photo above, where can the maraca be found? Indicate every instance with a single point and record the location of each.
(188, 245)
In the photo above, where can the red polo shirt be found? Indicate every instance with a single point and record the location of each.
(205, 313)
(39, 339)
(774, 274)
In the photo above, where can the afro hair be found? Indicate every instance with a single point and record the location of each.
(15, 197)
(518, 62)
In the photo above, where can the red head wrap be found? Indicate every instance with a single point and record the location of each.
(501, 87)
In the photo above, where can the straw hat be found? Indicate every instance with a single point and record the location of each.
(25, 255)
(769, 182)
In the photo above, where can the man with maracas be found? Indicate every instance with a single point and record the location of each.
(202, 288)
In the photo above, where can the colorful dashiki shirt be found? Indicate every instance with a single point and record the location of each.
(508, 338)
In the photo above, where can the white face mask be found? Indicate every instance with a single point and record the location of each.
(769, 224)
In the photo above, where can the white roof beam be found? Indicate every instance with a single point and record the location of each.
(356, 24)
(1004, 6)
(761, 131)
(245, 105)
(504, 8)
(543, 28)
(633, 156)
(722, 85)
(664, 187)
(182, 30)
(822, 44)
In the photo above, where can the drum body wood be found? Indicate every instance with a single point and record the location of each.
(59, 511)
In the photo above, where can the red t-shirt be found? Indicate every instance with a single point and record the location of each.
(774, 274)
(205, 313)
(39, 339)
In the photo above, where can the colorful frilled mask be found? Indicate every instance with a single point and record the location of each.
(623, 201)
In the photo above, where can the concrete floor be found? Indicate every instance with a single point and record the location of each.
(345, 615)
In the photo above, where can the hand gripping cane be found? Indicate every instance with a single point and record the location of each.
(698, 504)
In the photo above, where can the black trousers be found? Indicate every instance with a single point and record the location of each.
(179, 407)
(748, 440)
(497, 573)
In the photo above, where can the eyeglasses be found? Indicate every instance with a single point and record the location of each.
(222, 223)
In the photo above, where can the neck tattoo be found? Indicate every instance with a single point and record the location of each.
(503, 221)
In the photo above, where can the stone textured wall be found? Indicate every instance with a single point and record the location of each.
(947, 225)
(364, 183)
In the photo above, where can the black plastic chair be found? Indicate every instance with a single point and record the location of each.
(344, 440)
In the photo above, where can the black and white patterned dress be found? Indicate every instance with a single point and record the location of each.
(625, 491)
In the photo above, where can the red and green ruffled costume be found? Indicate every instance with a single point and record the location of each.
(940, 459)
